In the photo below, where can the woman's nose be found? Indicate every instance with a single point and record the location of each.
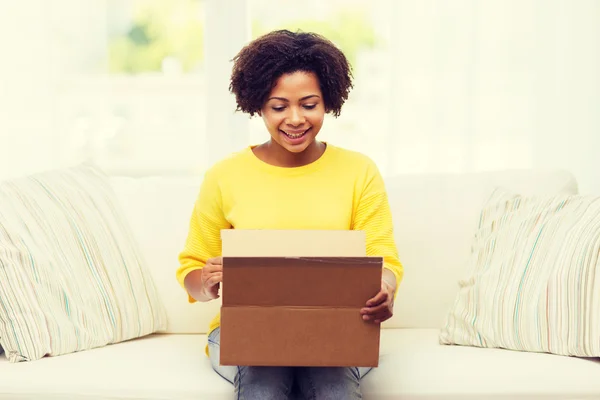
(296, 117)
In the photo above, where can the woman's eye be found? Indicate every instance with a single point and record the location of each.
(310, 106)
(277, 108)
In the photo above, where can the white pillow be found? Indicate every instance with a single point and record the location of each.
(71, 275)
(534, 281)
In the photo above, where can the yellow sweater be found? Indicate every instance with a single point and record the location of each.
(341, 190)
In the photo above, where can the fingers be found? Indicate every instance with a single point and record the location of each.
(381, 318)
(214, 265)
(211, 284)
(374, 310)
(212, 276)
(213, 292)
(377, 314)
(215, 261)
(379, 298)
(214, 279)
(378, 308)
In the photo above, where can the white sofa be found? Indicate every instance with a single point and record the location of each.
(435, 217)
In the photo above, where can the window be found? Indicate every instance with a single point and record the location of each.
(144, 112)
(140, 87)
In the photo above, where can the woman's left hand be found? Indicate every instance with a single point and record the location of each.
(380, 307)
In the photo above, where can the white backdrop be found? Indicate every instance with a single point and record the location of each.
(451, 86)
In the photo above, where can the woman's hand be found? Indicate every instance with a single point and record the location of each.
(380, 307)
(211, 277)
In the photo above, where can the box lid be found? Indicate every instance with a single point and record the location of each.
(292, 243)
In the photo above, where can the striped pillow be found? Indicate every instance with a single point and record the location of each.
(71, 275)
(534, 280)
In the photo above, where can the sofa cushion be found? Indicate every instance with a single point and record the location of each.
(435, 218)
(413, 366)
(71, 275)
(153, 367)
(534, 277)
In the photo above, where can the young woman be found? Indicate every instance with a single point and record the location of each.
(291, 181)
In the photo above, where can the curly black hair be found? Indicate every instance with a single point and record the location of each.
(259, 64)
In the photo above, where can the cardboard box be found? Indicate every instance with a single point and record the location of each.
(293, 298)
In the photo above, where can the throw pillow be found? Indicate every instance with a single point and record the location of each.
(71, 275)
(534, 280)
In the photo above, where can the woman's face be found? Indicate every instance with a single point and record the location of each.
(294, 111)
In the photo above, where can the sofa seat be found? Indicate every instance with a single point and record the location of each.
(413, 366)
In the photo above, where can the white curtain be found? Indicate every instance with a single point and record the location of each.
(480, 85)
(43, 45)
(450, 86)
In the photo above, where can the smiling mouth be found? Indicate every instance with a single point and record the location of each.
(294, 135)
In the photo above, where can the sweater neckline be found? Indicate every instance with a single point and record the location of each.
(303, 169)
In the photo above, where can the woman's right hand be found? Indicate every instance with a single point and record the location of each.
(211, 277)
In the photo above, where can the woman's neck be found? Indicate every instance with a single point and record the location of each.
(272, 153)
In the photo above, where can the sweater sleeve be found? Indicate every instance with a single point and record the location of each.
(373, 216)
(204, 236)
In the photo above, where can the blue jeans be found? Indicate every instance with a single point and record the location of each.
(275, 383)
